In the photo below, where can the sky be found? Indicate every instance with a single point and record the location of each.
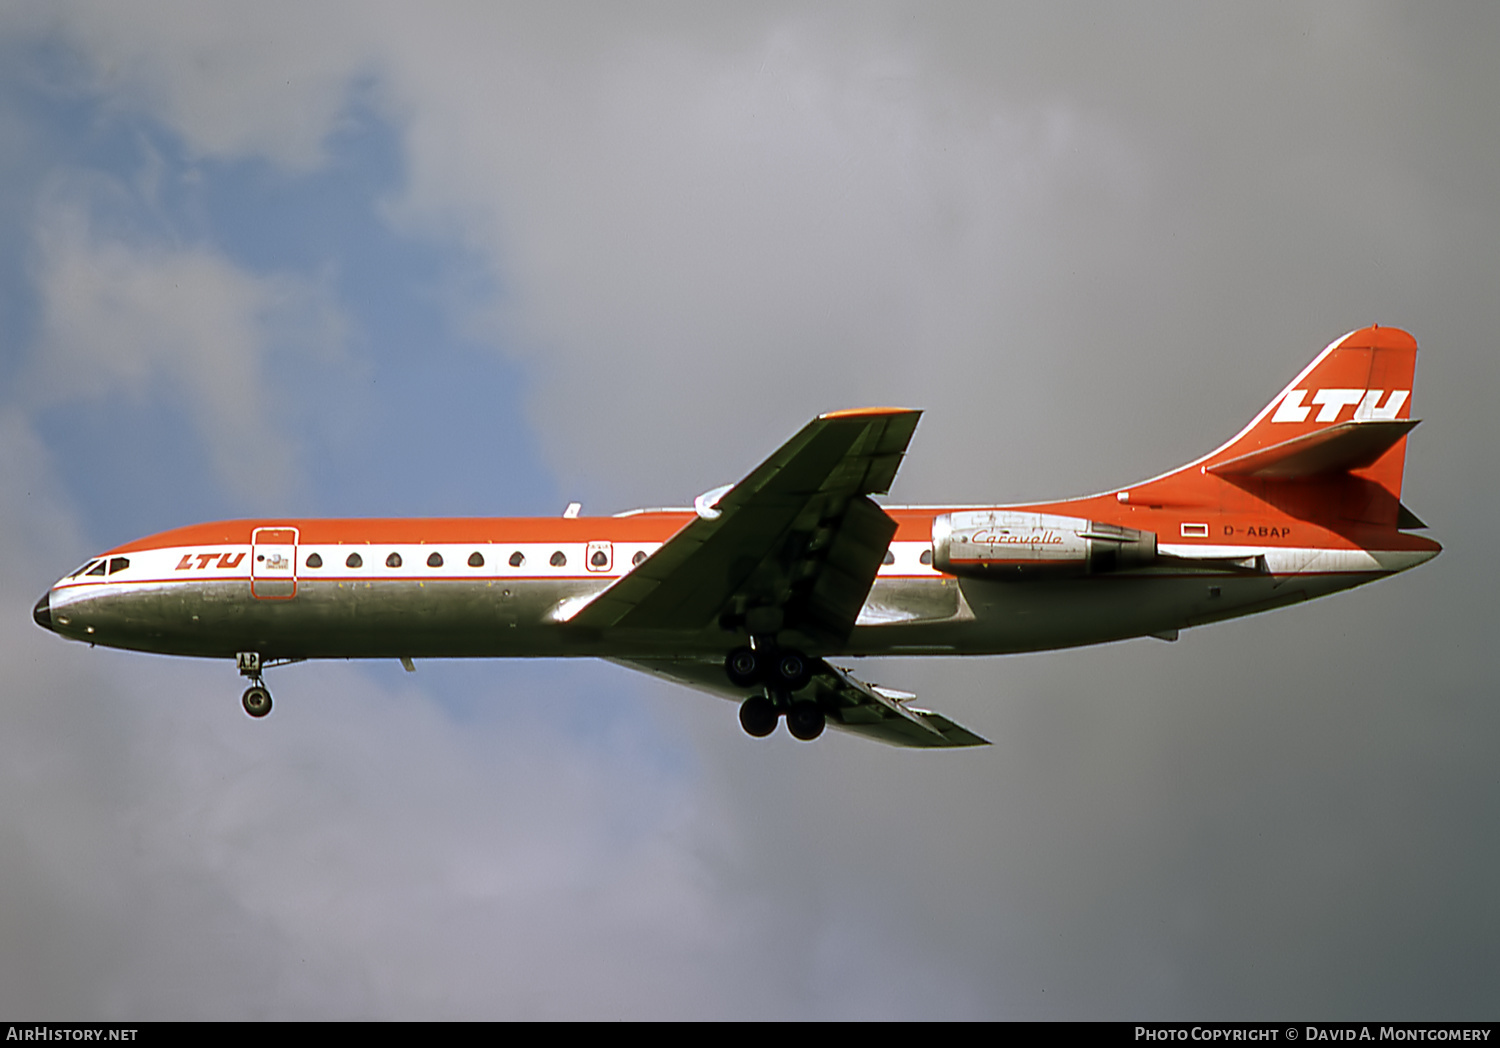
(381, 259)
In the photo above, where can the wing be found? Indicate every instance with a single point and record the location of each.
(851, 705)
(792, 549)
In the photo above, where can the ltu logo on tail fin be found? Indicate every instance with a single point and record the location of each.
(1366, 404)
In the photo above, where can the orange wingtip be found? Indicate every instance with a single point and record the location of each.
(856, 412)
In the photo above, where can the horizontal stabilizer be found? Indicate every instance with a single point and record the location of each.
(1346, 446)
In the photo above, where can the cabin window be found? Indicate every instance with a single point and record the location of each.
(314, 560)
(926, 557)
(890, 558)
(118, 564)
(599, 560)
(476, 559)
(435, 560)
(517, 559)
(97, 569)
(558, 560)
(393, 561)
(636, 560)
(354, 561)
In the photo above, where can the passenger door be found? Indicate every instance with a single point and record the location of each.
(273, 563)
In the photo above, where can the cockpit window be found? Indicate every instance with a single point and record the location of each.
(85, 566)
(118, 564)
(97, 569)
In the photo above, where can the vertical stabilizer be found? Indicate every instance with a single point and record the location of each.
(1353, 402)
(1331, 445)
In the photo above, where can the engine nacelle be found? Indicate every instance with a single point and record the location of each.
(990, 543)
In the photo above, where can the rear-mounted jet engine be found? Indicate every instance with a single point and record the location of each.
(1000, 543)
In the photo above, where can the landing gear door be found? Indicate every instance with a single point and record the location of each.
(273, 563)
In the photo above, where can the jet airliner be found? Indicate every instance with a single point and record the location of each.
(759, 589)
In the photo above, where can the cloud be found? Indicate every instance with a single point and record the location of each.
(234, 82)
(729, 230)
(690, 222)
(697, 221)
(127, 316)
(205, 870)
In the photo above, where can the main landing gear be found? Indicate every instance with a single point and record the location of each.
(784, 673)
(257, 697)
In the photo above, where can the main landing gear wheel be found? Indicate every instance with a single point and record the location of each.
(745, 666)
(805, 721)
(758, 716)
(793, 670)
(257, 700)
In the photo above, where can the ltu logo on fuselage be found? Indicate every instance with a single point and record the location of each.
(205, 559)
(1366, 403)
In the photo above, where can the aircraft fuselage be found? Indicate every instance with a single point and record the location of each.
(458, 594)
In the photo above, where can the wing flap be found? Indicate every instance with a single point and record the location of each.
(851, 705)
(839, 589)
(882, 713)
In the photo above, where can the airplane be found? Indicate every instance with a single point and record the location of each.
(759, 589)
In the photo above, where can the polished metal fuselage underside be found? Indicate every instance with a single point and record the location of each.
(473, 618)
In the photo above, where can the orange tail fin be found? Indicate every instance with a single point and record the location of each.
(1340, 427)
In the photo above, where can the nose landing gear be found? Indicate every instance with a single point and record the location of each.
(257, 697)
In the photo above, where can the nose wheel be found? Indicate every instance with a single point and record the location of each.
(257, 700)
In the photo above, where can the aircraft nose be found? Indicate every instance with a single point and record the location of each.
(43, 611)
